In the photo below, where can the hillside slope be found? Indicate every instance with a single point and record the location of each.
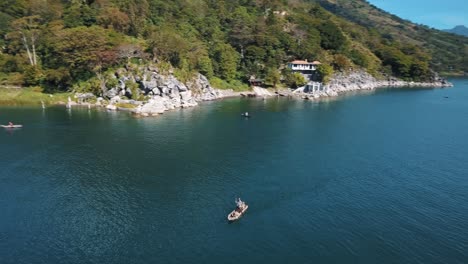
(63, 45)
(449, 52)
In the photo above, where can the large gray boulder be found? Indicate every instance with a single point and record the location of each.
(115, 99)
(202, 90)
(149, 85)
(187, 100)
(152, 107)
(111, 93)
(156, 91)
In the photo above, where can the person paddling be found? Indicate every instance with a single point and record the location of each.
(10, 123)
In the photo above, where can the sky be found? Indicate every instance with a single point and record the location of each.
(440, 14)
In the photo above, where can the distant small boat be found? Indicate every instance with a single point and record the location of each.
(246, 115)
(239, 211)
(11, 126)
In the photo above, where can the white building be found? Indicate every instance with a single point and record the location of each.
(303, 65)
(309, 71)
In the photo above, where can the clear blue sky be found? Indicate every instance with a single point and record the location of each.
(440, 14)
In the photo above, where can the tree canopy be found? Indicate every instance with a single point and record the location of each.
(58, 43)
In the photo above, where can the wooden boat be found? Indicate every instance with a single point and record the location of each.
(239, 211)
(11, 126)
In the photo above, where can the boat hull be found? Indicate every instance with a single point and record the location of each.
(13, 126)
(237, 214)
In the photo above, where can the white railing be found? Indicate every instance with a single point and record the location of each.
(303, 68)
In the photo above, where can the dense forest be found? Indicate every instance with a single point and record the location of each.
(59, 44)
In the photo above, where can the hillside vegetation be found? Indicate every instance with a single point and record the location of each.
(62, 45)
(449, 53)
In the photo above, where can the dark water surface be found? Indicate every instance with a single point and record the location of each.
(379, 178)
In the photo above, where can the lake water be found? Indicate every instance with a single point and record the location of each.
(376, 177)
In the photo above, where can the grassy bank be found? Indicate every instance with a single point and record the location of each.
(125, 105)
(236, 86)
(453, 74)
(30, 96)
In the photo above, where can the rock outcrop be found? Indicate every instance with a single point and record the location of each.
(361, 80)
(162, 91)
(202, 90)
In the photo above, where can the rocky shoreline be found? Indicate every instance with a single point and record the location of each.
(165, 92)
(161, 91)
(360, 80)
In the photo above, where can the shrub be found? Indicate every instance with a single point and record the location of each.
(294, 80)
(325, 71)
(32, 75)
(224, 85)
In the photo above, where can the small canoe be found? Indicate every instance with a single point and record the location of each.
(11, 126)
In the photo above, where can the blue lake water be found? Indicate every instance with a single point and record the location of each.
(377, 177)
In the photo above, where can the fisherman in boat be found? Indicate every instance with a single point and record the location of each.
(240, 209)
(10, 124)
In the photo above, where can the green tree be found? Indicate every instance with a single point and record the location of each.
(81, 49)
(325, 71)
(56, 80)
(168, 45)
(420, 71)
(227, 60)
(14, 8)
(205, 66)
(242, 25)
(359, 58)
(341, 62)
(26, 33)
(273, 77)
(79, 14)
(32, 76)
(331, 35)
(112, 17)
(294, 80)
(138, 11)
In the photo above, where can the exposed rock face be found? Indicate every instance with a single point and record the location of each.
(111, 93)
(163, 91)
(202, 89)
(157, 105)
(351, 82)
(361, 80)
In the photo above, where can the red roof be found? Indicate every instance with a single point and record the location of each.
(305, 62)
(300, 62)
